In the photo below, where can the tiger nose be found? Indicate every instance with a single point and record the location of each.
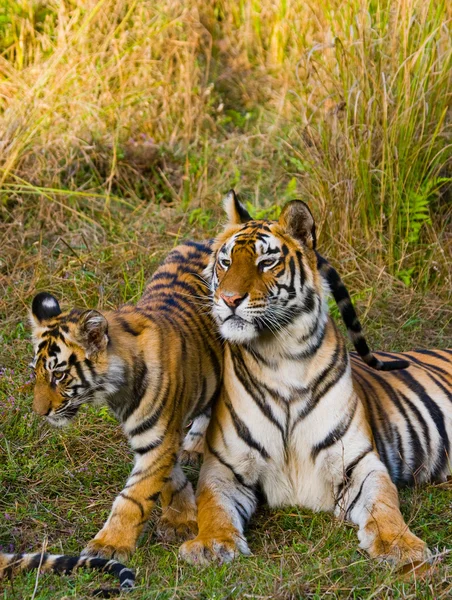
(232, 299)
(42, 405)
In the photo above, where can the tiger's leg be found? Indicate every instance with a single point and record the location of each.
(178, 520)
(132, 507)
(226, 501)
(370, 499)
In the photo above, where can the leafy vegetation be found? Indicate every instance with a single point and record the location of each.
(122, 124)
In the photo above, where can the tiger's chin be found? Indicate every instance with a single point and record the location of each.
(238, 331)
(61, 421)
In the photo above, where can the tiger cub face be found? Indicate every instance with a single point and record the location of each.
(264, 273)
(70, 361)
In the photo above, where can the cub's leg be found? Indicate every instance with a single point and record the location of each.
(132, 507)
(370, 499)
(226, 500)
(178, 520)
(193, 444)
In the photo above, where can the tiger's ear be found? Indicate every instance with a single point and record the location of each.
(44, 307)
(235, 210)
(92, 329)
(297, 220)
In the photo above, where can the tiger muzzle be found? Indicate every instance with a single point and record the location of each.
(232, 299)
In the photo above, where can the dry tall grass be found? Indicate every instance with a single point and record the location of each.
(139, 103)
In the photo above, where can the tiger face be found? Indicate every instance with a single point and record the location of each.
(264, 273)
(70, 359)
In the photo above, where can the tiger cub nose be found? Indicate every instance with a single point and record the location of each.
(233, 300)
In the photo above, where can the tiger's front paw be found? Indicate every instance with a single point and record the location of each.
(103, 547)
(205, 550)
(405, 549)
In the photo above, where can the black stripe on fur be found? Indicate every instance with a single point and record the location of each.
(350, 318)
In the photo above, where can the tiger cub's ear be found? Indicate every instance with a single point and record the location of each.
(92, 329)
(44, 307)
(235, 210)
(297, 220)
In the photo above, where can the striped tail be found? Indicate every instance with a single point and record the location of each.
(350, 318)
(11, 563)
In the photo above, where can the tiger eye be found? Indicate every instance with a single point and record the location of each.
(269, 262)
(59, 375)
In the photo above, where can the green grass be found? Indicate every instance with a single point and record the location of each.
(122, 124)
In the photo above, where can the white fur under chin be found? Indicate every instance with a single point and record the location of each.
(59, 422)
(238, 331)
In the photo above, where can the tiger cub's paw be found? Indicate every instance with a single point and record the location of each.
(205, 550)
(100, 549)
(178, 520)
(190, 457)
(170, 530)
(193, 444)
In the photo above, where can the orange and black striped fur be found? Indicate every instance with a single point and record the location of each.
(156, 365)
(294, 420)
(11, 563)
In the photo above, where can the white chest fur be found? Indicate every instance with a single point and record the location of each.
(272, 404)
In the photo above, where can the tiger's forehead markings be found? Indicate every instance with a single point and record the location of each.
(50, 354)
(60, 327)
(268, 244)
(254, 231)
(52, 362)
(259, 245)
(57, 332)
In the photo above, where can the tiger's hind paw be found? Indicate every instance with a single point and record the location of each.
(409, 557)
(193, 444)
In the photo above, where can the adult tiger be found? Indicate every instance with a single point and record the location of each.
(156, 365)
(291, 420)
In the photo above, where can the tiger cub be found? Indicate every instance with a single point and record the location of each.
(293, 418)
(156, 365)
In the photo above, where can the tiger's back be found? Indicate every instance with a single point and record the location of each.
(410, 413)
(173, 329)
(177, 292)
